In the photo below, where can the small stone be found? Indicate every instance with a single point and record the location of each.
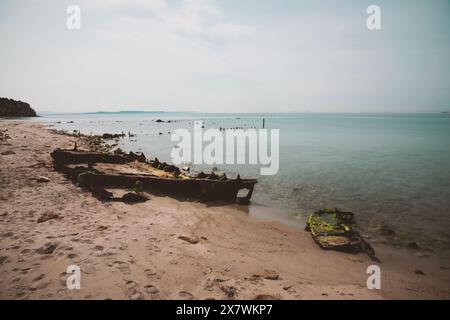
(42, 179)
(355, 259)
(413, 245)
(419, 272)
(270, 275)
(48, 248)
(289, 289)
(48, 216)
(191, 240)
(132, 197)
(421, 255)
(230, 291)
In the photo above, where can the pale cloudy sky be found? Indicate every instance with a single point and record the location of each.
(226, 55)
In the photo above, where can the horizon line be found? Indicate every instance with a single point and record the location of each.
(271, 112)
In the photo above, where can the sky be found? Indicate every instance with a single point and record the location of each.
(226, 55)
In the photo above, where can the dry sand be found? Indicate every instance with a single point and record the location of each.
(134, 251)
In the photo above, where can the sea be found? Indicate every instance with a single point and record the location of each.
(391, 170)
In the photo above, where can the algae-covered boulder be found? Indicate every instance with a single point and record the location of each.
(332, 229)
(13, 108)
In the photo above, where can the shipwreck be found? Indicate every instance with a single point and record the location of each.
(102, 173)
(333, 229)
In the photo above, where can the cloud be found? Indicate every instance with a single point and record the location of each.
(144, 5)
(224, 55)
(201, 18)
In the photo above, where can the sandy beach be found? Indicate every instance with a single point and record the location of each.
(135, 251)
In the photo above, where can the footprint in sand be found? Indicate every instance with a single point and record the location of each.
(88, 267)
(62, 280)
(3, 259)
(38, 278)
(25, 270)
(131, 290)
(7, 234)
(266, 296)
(185, 295)
(106, 253)
(288, 288)
(40, 285)
(15, 280)
(151, 273)
(47, 248)
(124, 267)
(131, 285)
(151, 289)
(136, 296)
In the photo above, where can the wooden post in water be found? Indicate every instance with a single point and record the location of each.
(264, 123)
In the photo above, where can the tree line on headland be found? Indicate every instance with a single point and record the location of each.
(14, 108)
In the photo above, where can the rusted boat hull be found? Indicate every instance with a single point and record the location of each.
(199, 188)
(86, 176)
(63, 157)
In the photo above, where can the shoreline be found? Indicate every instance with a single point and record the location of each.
(397, 218)
(134, 251)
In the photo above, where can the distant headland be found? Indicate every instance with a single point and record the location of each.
(13, 108)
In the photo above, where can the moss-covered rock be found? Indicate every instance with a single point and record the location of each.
(332, 229)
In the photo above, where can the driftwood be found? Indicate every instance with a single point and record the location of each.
(204, 187)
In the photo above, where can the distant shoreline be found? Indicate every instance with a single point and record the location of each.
(239, 113)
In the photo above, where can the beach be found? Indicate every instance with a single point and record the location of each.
(135, 251)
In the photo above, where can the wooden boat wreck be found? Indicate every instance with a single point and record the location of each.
(332, 230)
(101, 172)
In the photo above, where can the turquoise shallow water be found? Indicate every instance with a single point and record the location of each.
(392, 170)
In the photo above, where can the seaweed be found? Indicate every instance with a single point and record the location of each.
(332, 229)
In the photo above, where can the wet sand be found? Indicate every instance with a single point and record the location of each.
(135, 251)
